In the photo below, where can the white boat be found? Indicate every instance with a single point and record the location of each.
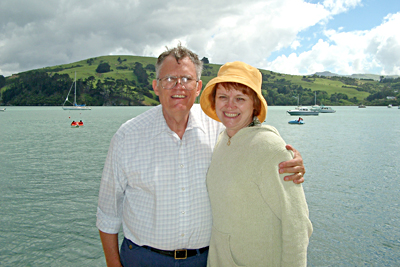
(390, 106)
(2, 109)
(322, 108)
(361, 106)
(74, 106)
(299, 110)
(303, 111)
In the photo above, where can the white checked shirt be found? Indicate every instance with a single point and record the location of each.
(154, 183)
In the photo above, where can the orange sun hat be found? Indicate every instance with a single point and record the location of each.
(236, 72)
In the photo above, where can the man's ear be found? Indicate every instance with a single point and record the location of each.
(155, 87)
(199, 86)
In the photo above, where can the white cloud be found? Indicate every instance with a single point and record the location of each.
(295, 44)
(384, 43)
(340, 6)
(37, 33)
(253, 34)
(350, 52)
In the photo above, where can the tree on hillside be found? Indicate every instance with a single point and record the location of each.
(141, 74)
(35, 88)
(103, 68)
(338, 96)
(150, 67)
(90, 61)
(205, 60)
(2, 81)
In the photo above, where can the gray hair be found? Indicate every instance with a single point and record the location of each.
(179, 53)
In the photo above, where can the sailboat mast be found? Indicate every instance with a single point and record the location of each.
(315, 97)
(75, 91)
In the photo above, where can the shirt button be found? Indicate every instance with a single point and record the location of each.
(183, 189)
(183, 212)
(182, 235)
(181, 165)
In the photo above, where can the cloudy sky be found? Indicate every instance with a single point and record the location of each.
(287, 36)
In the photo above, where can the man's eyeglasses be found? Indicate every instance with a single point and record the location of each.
(170, 82)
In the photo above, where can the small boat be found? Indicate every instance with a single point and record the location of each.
(302, 111)
(299, 121)
(76, 124)
(390, 106)
(2, 109)
(361, 106)
(74, 106)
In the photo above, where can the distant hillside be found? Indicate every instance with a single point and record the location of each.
(127, 80)
(326, 74)
(375, 77)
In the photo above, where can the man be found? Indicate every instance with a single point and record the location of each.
(153, 181)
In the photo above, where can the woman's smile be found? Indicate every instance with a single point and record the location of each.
(233, 108)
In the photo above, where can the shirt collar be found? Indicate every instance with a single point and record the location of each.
(160, 125)
(195, 120)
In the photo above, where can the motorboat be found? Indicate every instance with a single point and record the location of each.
(323, 109)
(361, 106)
(302, 111)
(390, 106)
(2, 109)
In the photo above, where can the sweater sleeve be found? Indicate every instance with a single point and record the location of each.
(288, 202)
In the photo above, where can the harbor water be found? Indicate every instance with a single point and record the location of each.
(50, 175)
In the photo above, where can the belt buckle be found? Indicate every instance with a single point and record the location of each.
(180, 254)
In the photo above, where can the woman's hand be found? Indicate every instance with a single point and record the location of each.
(295, 166)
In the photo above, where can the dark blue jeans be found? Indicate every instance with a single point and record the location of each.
(134, 255)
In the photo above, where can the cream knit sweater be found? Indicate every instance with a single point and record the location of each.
(258, 218)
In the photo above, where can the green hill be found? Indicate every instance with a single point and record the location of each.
(127, 80)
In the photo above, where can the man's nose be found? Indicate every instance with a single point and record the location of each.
(179, 81)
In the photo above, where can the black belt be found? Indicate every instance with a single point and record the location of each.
(178, 254)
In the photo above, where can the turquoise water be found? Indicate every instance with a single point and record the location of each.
(50, 175)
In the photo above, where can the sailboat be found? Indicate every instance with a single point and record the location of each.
(316, 107)
(74, 106)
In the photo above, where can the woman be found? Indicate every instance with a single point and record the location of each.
(258, 219)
